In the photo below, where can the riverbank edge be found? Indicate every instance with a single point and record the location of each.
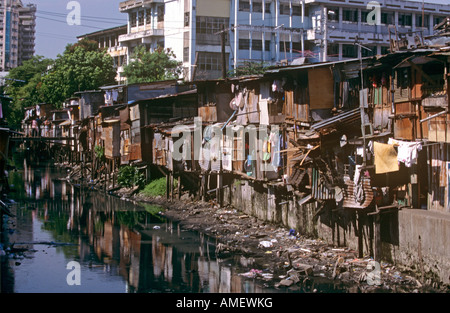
(279, 249)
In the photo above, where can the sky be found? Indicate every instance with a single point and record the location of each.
(53, 32)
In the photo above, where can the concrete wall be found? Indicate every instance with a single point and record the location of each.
(429, 231)
(400, 231)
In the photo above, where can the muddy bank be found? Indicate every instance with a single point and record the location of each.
(283, 258)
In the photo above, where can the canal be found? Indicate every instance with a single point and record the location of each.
(66, 239)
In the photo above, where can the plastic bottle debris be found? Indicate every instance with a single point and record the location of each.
(156, 227)
(266, 244)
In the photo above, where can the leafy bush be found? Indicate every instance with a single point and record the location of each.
(129, 176)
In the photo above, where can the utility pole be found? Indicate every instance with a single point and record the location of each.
(325, 35)
(224, 60)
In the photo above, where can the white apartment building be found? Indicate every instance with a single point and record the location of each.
(272, 31)
(17, 33)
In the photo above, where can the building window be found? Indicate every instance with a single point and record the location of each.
(244, 44)
(387, 18)
(186, 54)
(141, 18)
(437, 20)
(364, 15)
(267, 8)
(333, 14)
(419, 21)
(349, 51)
(367, 53)
(284, 9)
(405, 20)
(161, 13)
(296, 10)
(257, 45)
(385, 50)
(257, 7)
(350, 15)
(149, 16)
(211, 25)
(186, 19)
(244, 6)
(133, 21)
(209, 61)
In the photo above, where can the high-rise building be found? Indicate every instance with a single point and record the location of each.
(17, 33)
(274, 31)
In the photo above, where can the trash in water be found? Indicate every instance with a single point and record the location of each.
(267, 244)
(156, 227)
(252, 273)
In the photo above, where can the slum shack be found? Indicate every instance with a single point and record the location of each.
(60, 125)
(89, 102)
(4, 149)
(125, 128)
(110, 135)
(156, 102)
(422, 140)
(116, 94)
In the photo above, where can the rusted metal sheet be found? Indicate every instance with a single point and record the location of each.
(134, 113)
(208, 113)
(438, 129)
(349, 197)
(319, 189)
(321, 95)
(238, 162)
(124, 114)
(404, 128)
(111, 137)
(252, 107)
(135, 152)
(435, 102)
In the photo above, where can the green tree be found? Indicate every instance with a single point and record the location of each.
(82, 66)
(152, 66)
(249, 68)
(23, 84)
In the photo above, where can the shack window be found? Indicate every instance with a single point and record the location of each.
(403, 78)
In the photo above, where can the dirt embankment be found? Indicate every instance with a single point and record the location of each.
(288, 258)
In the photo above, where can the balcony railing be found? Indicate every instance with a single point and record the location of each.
(141, 34)
(131, 4)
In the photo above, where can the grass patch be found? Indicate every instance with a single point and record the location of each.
(156, 188)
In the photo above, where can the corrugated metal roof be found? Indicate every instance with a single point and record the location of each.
(312, 65)
(340, 118)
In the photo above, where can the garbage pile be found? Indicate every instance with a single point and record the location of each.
(304, 260)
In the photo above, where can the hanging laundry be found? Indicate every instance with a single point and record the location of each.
(264, 112)
(385, 158)
(408, 152)
(115, 95)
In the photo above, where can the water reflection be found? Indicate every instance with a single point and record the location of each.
(122, 247)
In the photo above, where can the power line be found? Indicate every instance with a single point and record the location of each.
(86, 18)
(65, 22)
